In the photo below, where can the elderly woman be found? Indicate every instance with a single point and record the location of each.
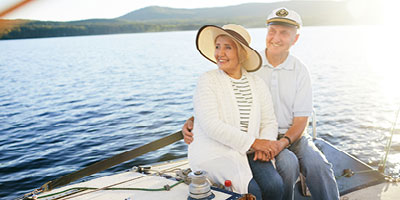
(234, 116)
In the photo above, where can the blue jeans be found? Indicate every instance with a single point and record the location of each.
(320, 179)
(287, 165)
(267, 178)
(254, 189)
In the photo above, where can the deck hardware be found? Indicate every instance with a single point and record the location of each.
(348, 173)
(184, 175)
(200, 187)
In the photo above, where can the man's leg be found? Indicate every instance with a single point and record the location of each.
(267, 178)
(287, 166)
(316, 168)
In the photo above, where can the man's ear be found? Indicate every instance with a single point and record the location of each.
(296, 38)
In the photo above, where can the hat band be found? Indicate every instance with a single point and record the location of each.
(284, 20)
(237, 36)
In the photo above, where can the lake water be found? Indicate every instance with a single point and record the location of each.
(71, 101)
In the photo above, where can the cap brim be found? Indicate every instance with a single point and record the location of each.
(282, 21)
(205, 43)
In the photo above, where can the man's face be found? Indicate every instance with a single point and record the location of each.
(280, 38)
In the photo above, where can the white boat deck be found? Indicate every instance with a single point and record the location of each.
(131, 179)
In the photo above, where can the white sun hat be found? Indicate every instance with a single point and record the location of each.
(205, 43)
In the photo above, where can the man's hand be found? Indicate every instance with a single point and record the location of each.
(279, 145)
(187, 131)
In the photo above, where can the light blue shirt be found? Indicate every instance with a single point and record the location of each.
(290, 87)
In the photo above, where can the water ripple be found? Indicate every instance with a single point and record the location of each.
(64, 108)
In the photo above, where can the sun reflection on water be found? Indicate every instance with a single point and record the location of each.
(380, 46)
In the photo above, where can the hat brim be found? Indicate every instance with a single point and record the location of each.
(205, 43)
(282, 21)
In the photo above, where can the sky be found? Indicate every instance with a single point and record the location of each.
(68, 10)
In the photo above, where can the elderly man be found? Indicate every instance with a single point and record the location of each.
(290, 86)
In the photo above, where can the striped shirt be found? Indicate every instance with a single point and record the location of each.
(242, 91)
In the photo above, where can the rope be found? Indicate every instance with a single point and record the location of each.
(49, 195)
(349, 173)
(81, 189)
(103, 188)
(382, 164)
(165, 188)
(392, 179)
(172, 169)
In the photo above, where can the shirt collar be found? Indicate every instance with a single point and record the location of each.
(286, 65)
(244, 72)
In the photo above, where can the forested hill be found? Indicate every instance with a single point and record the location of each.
(155, 18)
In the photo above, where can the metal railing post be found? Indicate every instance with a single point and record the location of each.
(314, 124)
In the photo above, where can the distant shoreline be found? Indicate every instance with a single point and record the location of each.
(26, 32)
(159, 19)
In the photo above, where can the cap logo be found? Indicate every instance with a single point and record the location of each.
(282, 13)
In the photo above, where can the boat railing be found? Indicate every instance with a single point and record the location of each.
(314, 124)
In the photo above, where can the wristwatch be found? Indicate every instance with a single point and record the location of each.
(289, 140)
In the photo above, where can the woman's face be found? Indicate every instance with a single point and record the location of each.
(226, 54)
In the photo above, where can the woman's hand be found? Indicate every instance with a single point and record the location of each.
(268, 147)
(262, 156)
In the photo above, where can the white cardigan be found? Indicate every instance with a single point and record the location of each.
(219, 147)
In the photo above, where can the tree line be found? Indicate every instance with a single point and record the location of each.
(38, 29)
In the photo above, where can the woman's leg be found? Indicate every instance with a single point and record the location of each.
(254, 189)
(267, 178)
